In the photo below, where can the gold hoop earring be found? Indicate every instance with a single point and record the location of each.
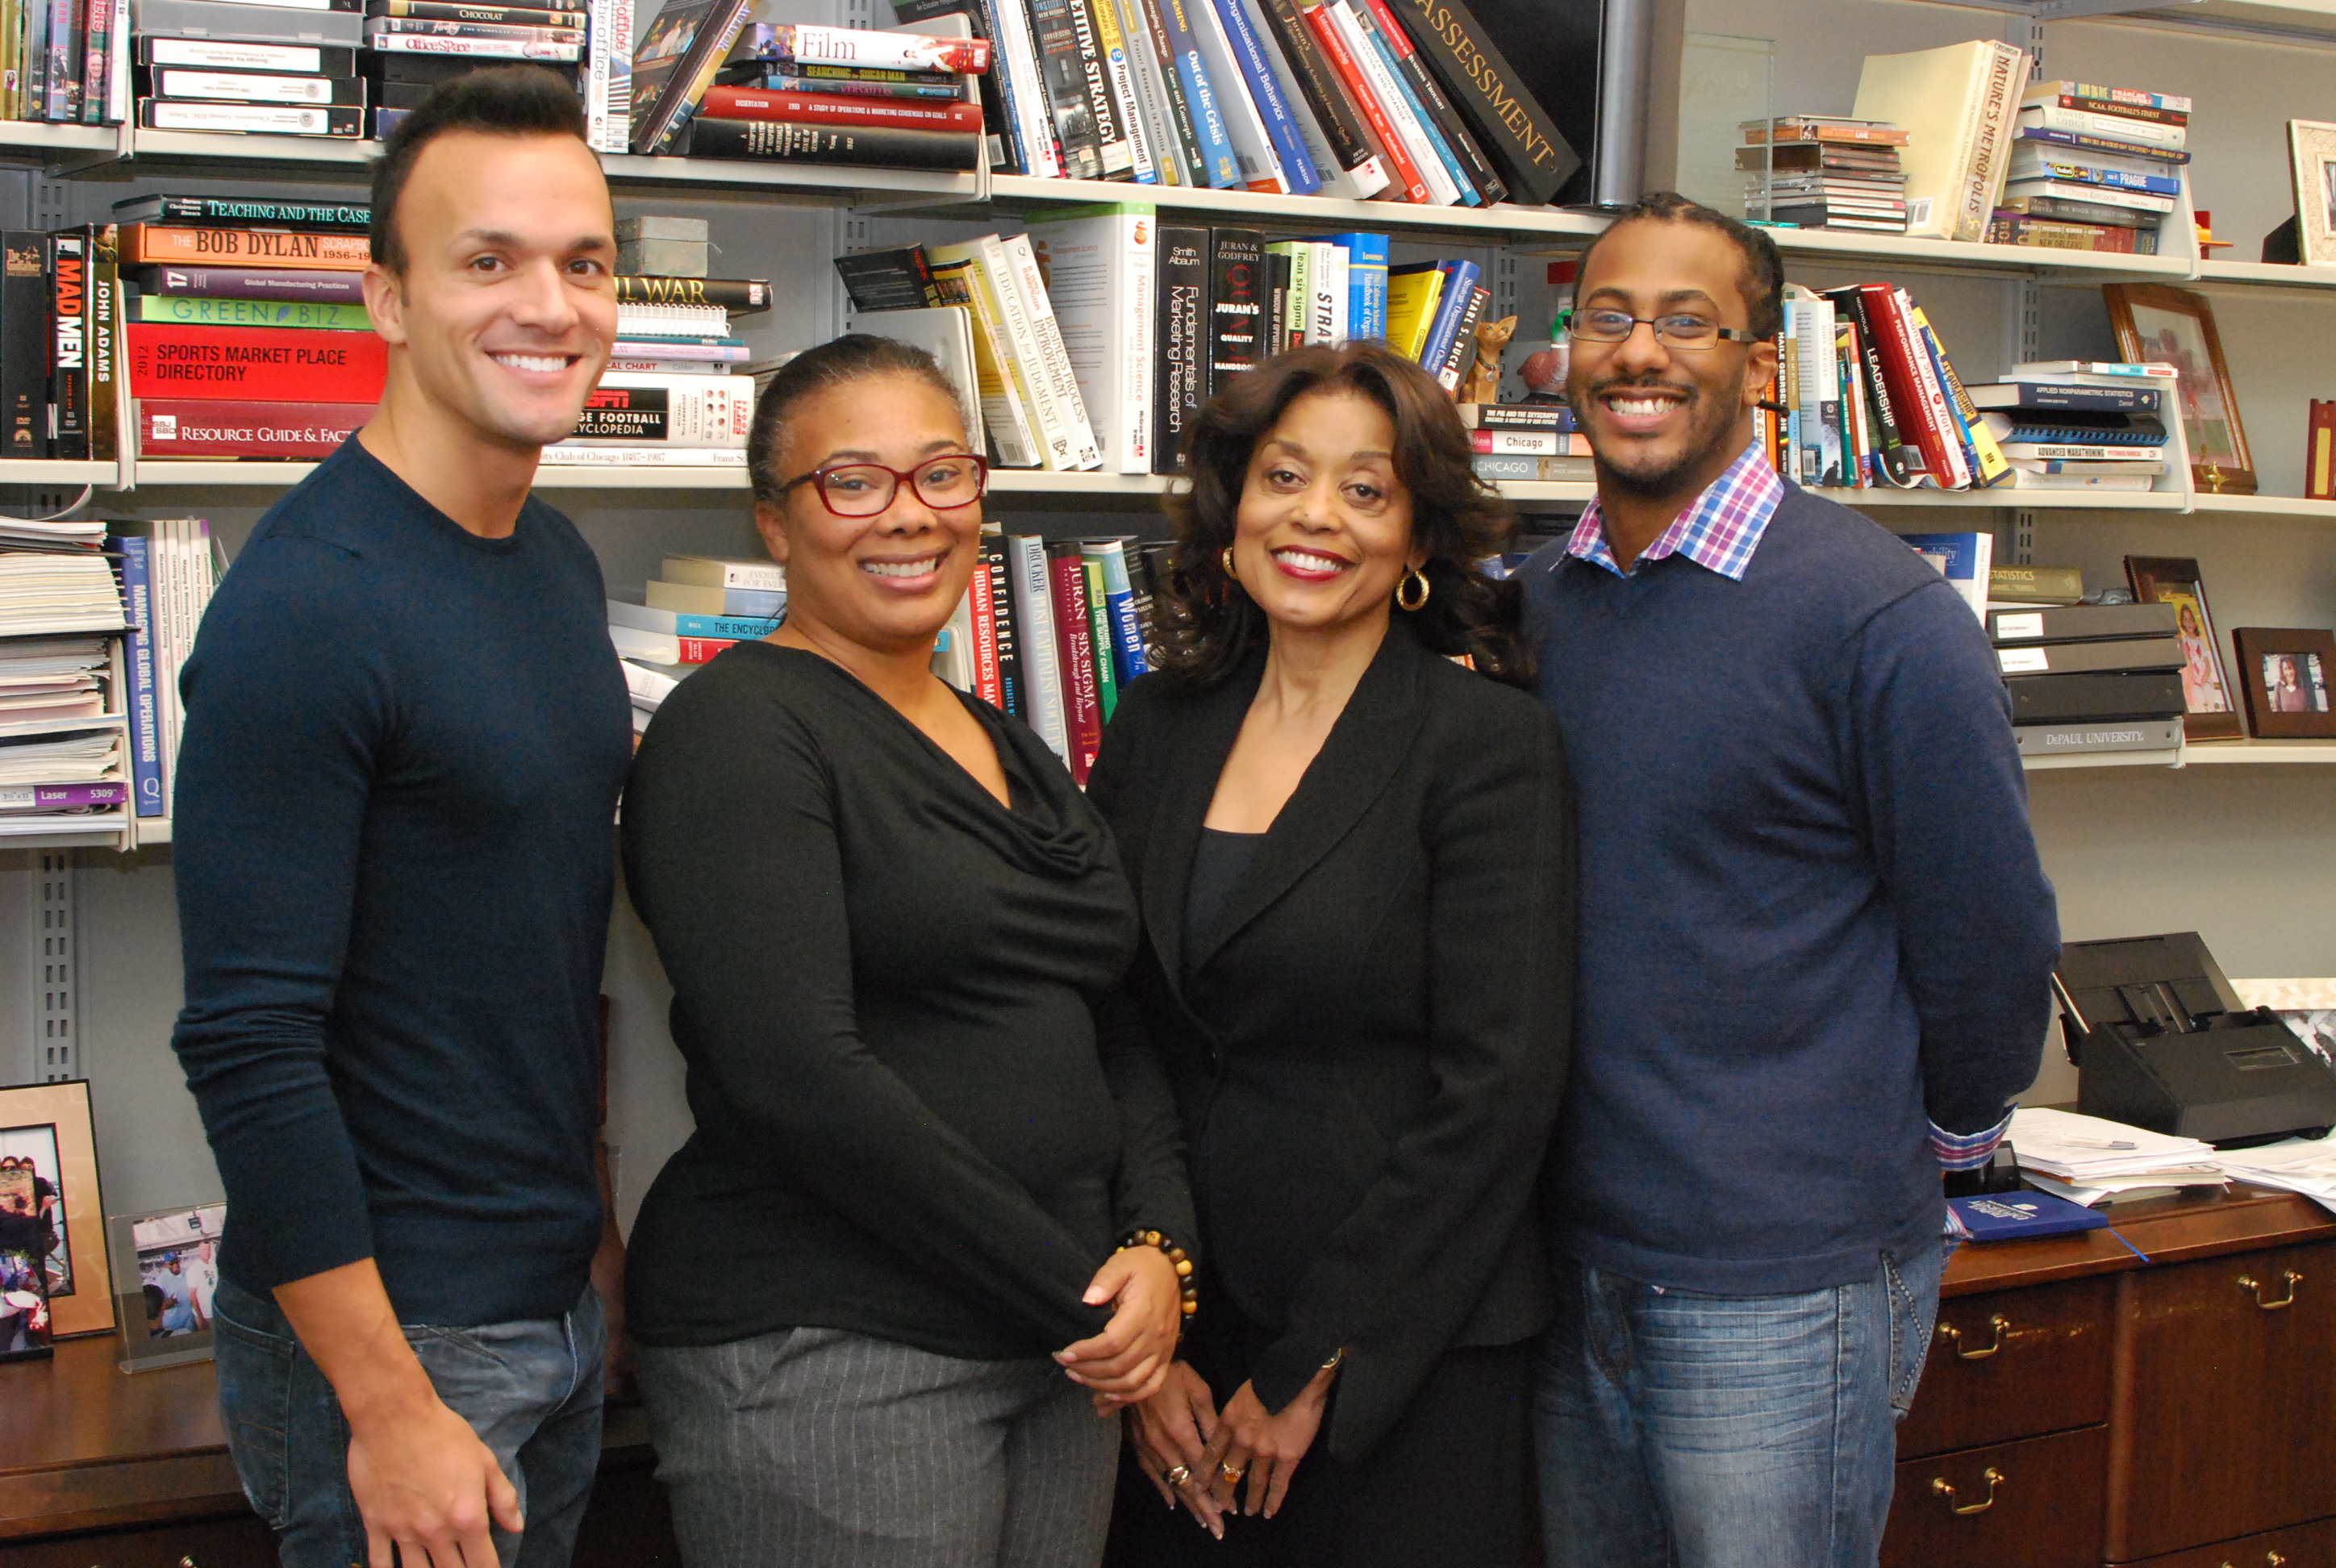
(1225, 560)
(1414, 577)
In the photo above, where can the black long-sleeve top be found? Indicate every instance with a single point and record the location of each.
(885, 985)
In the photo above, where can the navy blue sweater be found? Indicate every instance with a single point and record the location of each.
(1812, 914)
(394, 851)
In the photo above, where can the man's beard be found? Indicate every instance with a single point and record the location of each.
(1708, 422)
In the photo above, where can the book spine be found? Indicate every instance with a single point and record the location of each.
(705, 410)
(474, 48)
(1463, 189)
(172, 573)
(24, 342)
(153, 244)
(218, 210)
(1376, 64)
(106, 414)
(1054, 355)
(2043, 143)
(97, 58)
(1196, 166)
(664, 99)
(33, 86)
(1273, 296)
(1014, 697)
(1153, 117)
(1076, 650)
(1988, 466)
(813, 109)
(1020, 354)
(1457, 318)
(599, 39)
(1013, 81)
(1991, 140)
(1119, 75)
(1853, 400)
(2320, 451)
(145, 760)
(788, 141)
(1042, 665)
(2108, 127)
(69, 346)
(1403, 177)
(1350, 138)
(265, 365)
(1475, 167)
(877, 51)
(1111, 128)
(1099, 643)
(438, 27)
(1064, 75)
(984, 621)
(1820, 455)
(1899, 457)
(1202, 94)
(1515, 130)
(1126, 636)
(1942, 439)
(201, 310)
(1180, 342)
(1253, 153)
(1236, 305)
(1295, 165)
(61, 87)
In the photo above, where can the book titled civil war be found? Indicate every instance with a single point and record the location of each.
(1180, 339)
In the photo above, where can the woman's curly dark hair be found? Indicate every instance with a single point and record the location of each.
(1208, 624)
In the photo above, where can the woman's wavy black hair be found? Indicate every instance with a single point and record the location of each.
(1207, 624)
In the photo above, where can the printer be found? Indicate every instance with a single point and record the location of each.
(2161, 1041)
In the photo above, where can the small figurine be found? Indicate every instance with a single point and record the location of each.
(1543, 374)
(1484, 383)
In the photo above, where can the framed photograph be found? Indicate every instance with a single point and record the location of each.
(2312, 158)
(2286, 675)
(49, 1207)
(2160, 326)
(26, 1332)
(168, 1263)
(2205, 685)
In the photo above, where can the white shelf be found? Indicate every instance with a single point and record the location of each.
(2092, 759)
(20, 140)
(2264, 275)
(1820, 245)
(2228, 752)
(2264, 506)
(2006, 498)
(264, 475)
(331, 156)
(1325, 214)
(36, 471)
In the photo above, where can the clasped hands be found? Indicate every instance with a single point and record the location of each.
(1198, 1455)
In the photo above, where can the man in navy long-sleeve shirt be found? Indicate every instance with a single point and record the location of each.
(405, 735)
(1814, 948)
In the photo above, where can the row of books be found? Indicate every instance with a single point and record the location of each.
(2091, 678)
(1092, 340)
(2094, 169)
(66, 62)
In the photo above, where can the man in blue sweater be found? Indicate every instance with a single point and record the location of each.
(406, 734)
(1815, 944)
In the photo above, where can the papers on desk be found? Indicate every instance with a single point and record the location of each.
(2091, 1160)
(2305, 1165)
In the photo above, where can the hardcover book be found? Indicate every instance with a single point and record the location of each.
(675, 61)
(325, 252)
(171, 428)
(270, 364)
(2010, 1216)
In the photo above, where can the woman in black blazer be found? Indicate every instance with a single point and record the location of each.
(1354, 860)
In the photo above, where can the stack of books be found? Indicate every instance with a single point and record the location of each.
(2106, 433)
(700, 607)
(62, 686)
(1818, 173)
(169, 567)
(223, 65)
(247, 333)
(414, 45)
(764, 105)
(61, 358)
(2087, 677)
(2093, 168)
(65, 65)
(1870, 399)
(1527, 440)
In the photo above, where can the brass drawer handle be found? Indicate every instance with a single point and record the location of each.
(1954, 1336)
(2270, 1560)
(1941, 1488)
(2247, 1282)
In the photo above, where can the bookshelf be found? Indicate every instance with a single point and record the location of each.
(2223, 838)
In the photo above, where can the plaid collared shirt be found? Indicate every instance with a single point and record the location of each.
(1718, 531)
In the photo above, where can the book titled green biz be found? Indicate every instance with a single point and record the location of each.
(196, 311)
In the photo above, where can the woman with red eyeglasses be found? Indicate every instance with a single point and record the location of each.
(927, 1224)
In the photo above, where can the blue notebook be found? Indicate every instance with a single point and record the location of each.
(2011, 1216)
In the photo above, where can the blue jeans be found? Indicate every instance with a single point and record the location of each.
(1678, 1430)
(531, 1392)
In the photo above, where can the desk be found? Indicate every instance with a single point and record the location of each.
(2081, 1406)
(102, 1469)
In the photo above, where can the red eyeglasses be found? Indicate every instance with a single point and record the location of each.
(864, 489)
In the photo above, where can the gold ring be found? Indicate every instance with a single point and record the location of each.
(1232, 1476)
(1177, 1477)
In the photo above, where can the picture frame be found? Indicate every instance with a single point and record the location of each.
(2288, 678)
(167, 1261)
(2156, 325)
(49, 1128)
(2206, 684)
(2311, 162)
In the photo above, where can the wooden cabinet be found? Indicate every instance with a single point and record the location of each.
(2083, 1404)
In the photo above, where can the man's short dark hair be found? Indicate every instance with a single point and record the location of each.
(499, 100)
(1762, 281)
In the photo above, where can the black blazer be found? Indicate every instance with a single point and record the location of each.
(1368, 1054)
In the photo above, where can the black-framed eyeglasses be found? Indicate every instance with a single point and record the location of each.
(1680, 331)
(864, 489)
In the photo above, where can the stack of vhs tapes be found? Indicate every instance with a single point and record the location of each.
(222, 65)
(2086, 677)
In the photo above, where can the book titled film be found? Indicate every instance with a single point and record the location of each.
(172, 427)
(254, 87)
(878, 51)
(377, 27)
(216, 210)
(338, 287)
(474, 48)
(236, 55)
(250, 119)
(701, 410)
(492, 15)
(148, 243)
(785, 142)
(262, 365)
(195, 311)
(813, 109)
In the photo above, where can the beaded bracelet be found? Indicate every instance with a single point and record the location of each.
(1183, 1264)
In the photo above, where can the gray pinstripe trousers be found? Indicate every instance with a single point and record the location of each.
(818, 1449)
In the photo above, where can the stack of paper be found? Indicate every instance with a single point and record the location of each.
(78, 757)
(2091, 1160)
(51, 678)
(2305, 1165)
(43, 591)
